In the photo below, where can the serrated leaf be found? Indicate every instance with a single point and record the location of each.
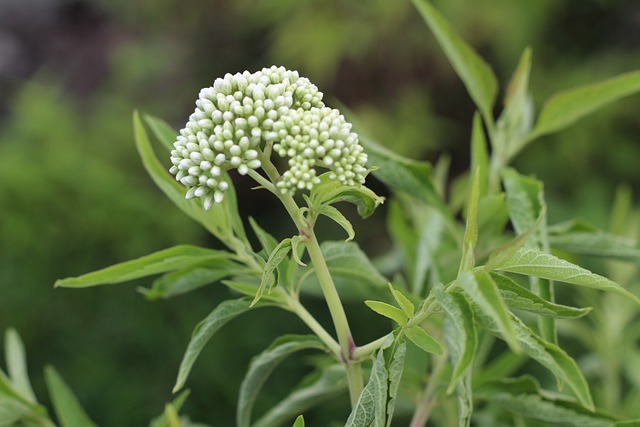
(550, 356)
(474, 72)
(17, 365)
(518, 297)
(223, 313)
(334, 214)
(423, 340)
(565, 108)
(174, 258)
(214, 220)
(319, 387)
(481, 288)
(557, 412)
(403, 302)
(387, 310)
(182, 281)
(275, 258)
(461, 335)
(263, 365)
(65, 404)
(534, 262)
(395, 369)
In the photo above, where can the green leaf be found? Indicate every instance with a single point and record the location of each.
(518, 297)
(165, 134)
(68, 410)
(338, 218)
(174, 258)
(550, 356)
(395, 369)
(597, 243)
(330, 191)
(464, 392)
(423, 340)
(552, 411)
(387, 310)
(263, 365)
(162, 421)
(183, 281)
(214, 220)
(223, 313)
(275, 258)
(474, 72)
(13, 411)
(267, 241)
(460, 331)
(427, 246)
(525, 201)
(484, 292)
(471, 231)
(536, 263)
(318, 387)
(403, 302)
(299, 422)
(517, 117)
(479, 154)
(565, 108)
(17, 365)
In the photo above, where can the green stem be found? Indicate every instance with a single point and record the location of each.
(336, 310)
(297, 308)
(423, 410)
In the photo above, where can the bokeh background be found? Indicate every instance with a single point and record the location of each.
(74, 196)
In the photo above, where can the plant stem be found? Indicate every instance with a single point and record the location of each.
(313, 324)
(423, 410)
(336, 310)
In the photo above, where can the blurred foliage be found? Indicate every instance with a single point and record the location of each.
(74, 198)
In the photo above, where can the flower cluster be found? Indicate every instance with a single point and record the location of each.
(241, 113)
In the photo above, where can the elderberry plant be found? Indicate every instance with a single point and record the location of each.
(471, 304)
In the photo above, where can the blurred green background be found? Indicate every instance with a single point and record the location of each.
(74, 197)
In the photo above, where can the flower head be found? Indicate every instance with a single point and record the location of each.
(235, 119)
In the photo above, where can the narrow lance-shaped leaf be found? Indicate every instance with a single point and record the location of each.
(483, 291)
(479, 154)
(518, 297)
(334, 214)
(299, 422)
(165, 134)
(387, 310)
(213, 220)
(171, 259)
(17, 365)
(396, 367)
(277, 256)
(474, 72)
(203, 332)
(461, 336)
(263, 365)
(534, 262)
(565, 108)
(471, 232)
(423, 340)
(68, 410)
(403, 302)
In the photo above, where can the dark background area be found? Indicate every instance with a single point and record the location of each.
(74, 197)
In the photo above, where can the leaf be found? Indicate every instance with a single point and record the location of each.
(68, 410)
(214, 220)
(423, 340)
(403, 302)
(525, 201)
(387, 310)
(319, 387)
(338, 218)
(533, 262)
(550, 356)
(17, 365)
(597, 243)
(567, 107)
(182, 281)
(464, 391)
(267, 241)
(460, 331)
(474, 72)
(161, 420)
(275, 258)
(396, 367)
(224, 312)
(557, 412)
(479, 154)
(165, 134)
(471, 231)
(174, 258)
(520, 298)
(263, 365)
(484, 292)
(13, 411)
(517, 117)
(299, 422)
(330, 191)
